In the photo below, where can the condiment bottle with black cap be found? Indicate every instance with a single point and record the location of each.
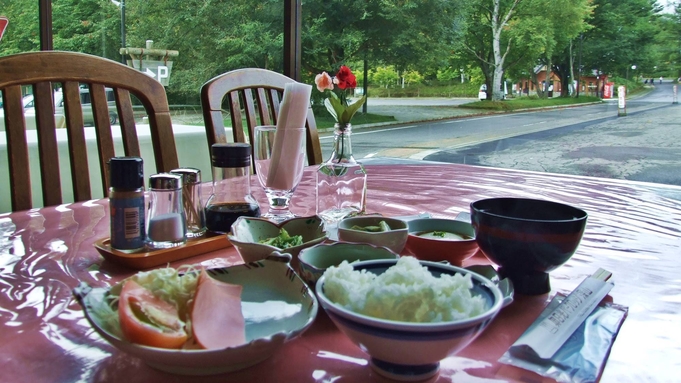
(126, 202)
(231, 198)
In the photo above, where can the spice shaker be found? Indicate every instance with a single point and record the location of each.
(165, 217)
(195, 219)
(231, 198)
(126, 202)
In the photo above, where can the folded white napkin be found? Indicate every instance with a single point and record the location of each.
(288, 152)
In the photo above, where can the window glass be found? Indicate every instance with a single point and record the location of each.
(413, 57)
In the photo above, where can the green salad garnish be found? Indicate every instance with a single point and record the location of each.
(382, 226)
(283, 240)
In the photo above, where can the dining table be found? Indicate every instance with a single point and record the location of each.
(633, 230)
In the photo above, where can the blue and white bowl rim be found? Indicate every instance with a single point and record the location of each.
(478, 280)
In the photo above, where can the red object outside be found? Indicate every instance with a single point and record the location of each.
(608, 90)
(3, 25)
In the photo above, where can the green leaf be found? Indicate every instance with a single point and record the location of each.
(335, 107)
(352, 109)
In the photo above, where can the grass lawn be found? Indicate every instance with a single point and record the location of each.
(528, 102)
(324, 119)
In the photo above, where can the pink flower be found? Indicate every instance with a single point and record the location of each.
(323, 81)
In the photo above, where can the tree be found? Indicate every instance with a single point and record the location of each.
(622, 35)
(488, 41)
(212, 37)
(408, 35)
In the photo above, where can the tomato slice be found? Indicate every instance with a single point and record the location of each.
(148, 320)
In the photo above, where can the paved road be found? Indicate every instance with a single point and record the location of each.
(645, 145)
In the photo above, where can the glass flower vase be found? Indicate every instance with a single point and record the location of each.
(341, 180)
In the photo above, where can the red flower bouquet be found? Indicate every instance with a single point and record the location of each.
(338, 88)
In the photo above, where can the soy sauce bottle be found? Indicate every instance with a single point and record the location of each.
(231, 198)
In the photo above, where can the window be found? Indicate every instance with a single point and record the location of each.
(405, 52)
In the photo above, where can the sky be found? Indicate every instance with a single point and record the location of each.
(668, 5)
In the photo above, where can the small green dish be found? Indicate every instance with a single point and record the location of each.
(313, 261)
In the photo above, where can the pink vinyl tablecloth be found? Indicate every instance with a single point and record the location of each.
(633, 230)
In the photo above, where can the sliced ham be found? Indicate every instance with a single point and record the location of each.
(217, 320)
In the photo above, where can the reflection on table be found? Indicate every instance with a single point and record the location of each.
(633, 230)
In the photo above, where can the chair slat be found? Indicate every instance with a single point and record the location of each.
(166, 158)
(237, 119)
(249, 110)
(17, 149)
(126, 119)
(263, 108)
(47, 143)
(268, 86)
(71, 69)
(105, 142)
(76, 135)
(273, 96)
(312, 143)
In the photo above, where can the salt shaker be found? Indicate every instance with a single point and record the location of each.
(165, 217)
(231, 198)
(195, 218)
(126, 203)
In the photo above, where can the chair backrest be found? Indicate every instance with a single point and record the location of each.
(77, 73)
(253, 95)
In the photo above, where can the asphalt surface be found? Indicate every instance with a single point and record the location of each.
(642, 146)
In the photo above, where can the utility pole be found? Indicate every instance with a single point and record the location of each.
(579, 75)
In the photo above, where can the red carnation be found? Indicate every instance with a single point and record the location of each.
(345, 79)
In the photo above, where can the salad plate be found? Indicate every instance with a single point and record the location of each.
(276, 304)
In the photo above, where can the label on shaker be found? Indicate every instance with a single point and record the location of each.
(127, 223)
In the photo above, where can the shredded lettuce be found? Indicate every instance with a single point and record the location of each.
(176, 287)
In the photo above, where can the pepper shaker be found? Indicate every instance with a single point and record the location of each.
(126, 203)
(195, 218)
(165, 218)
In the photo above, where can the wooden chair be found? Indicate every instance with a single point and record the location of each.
(43, 70)
(248, 90)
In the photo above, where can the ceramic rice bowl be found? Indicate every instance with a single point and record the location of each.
(412, 351)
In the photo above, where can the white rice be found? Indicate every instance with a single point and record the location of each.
(405, 292)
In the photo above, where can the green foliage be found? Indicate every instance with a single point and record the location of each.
(384, 76)
(529, 102)
(422, 42)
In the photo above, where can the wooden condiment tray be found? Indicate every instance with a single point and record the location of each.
(146, 259)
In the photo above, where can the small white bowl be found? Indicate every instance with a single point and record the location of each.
(406, 350)
(395, 239)
(265, 289)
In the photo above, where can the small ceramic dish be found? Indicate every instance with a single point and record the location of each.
(269, 286)
(316, 259)
(394, 239)
(247, 232)
(434, 248)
